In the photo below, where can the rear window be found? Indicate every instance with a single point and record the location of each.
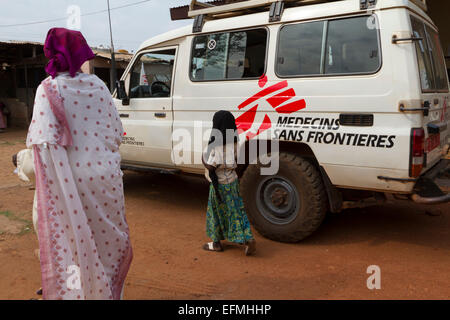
(229, 55)
(342, 46)
(430, 58)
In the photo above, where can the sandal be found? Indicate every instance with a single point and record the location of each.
(250, 247)
(213, 246)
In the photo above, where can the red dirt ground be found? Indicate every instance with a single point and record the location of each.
(166, 215)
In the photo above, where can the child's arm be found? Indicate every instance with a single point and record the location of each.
(211, 165)
(207, 166)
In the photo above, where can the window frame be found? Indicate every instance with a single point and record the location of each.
(427, 41)
(229, 31)
(138, 58)
(323, 54)
(442, 62)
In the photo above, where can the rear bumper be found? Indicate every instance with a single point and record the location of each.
(431, 200)
(432, 187)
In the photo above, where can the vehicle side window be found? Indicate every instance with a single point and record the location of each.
(438, 59)
(151, 75)
(300, 49)
(352, 47)
(341, 46)
(423, 56)
(229, 55)
(430, 57)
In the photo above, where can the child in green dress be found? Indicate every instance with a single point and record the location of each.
(225, 218)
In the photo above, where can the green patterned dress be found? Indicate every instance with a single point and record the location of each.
(228, 220)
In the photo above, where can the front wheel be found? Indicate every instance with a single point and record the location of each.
(288, 206)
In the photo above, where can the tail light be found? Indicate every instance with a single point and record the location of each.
(417, 152)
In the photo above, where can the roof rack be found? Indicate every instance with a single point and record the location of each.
(227, 8)
(421, 4)
(218, 9)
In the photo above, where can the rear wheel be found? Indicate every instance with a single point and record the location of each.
(288, 206)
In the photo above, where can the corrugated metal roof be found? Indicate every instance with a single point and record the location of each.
(20, 42)
(118, 55)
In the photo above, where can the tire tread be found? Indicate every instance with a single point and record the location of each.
(316, 208)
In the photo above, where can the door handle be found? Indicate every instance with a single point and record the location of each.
(124, 115)
(425, 109)
(160, 114)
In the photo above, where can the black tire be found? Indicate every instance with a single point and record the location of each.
(298, 178)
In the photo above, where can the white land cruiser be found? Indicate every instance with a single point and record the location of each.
(355, 91)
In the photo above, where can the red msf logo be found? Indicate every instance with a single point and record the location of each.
(277, 100)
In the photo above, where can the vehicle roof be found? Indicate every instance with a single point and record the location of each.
(307, 12)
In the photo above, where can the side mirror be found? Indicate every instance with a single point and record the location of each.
(122, 93)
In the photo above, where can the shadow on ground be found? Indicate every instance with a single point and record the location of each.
(401, 221)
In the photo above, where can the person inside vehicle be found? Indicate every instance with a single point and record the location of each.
(226, 218)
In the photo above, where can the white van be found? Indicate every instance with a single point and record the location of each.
(355, 91)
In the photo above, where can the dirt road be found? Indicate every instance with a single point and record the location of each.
(166, 215)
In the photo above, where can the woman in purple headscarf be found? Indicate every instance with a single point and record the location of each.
(75, 134)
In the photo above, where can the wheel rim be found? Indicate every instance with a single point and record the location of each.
(277, 199)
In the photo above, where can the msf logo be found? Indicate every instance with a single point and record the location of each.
(276, 98)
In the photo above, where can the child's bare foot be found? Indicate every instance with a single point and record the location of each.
(250, 247)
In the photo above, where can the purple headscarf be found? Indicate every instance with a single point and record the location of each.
(66, 50)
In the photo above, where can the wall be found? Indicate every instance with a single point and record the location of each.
(18, 109)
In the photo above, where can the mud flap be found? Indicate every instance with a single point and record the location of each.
(427, 188)
(427, 191)
(334, 195)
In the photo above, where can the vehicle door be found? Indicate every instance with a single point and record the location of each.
(147, 119)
